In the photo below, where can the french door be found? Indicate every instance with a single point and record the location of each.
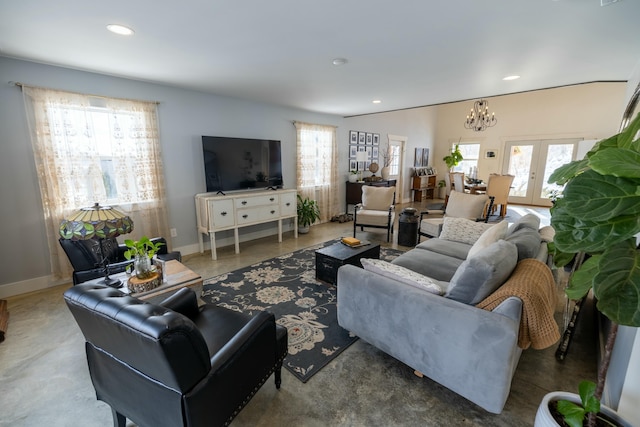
(396, 150)
(532, 163)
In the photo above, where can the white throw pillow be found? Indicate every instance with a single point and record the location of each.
(402, 274)
(491, 235)
(462, 230)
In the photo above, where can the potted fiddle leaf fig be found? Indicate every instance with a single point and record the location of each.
(453, 158)
(142, 251)
(598, 214)
(308, 213)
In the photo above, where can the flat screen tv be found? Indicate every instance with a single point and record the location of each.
(241, 163)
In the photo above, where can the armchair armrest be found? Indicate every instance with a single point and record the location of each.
(263, 322)
(184, 302)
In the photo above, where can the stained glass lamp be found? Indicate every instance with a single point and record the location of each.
(100, 223)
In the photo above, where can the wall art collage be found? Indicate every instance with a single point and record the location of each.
(364, 149)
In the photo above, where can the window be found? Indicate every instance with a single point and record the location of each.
(91, 149)
(317, 166)
(470, 155)
(394, 166)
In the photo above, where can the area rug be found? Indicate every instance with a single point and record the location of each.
(286, 286)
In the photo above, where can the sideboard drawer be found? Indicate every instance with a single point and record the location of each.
(253, 201)
(288, 204)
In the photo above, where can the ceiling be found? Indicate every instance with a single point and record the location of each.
(406, 53)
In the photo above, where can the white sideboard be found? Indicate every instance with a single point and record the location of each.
(236, 210)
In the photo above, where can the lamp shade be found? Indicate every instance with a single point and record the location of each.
(95, 222)
(362, 156)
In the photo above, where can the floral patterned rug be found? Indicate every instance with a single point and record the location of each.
(287, 286)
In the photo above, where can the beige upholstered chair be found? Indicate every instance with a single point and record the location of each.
(376, 209)
(460, 205)
(498, 187)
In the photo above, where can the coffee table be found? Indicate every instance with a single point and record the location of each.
(332, 257)
(177, 276)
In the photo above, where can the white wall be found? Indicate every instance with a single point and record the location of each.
(184, 116)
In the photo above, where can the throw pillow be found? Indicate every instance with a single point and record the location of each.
(490, 236)
(480, 276)
(528, 221)
(527, 241)
(462, 230)
(402, 274)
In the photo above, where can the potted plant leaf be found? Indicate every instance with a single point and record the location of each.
(598, 214)
(308, 213)
(141, 251)
(453, 158)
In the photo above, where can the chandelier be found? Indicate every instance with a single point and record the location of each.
(480, 119)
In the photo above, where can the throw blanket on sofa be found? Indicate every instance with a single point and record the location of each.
(532, 282)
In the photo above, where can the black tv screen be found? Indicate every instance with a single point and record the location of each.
(241, 163)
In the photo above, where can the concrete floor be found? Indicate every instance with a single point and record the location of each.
(44, 379)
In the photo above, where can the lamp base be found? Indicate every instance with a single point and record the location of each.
(114, 283)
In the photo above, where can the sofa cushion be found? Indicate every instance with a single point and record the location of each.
(527, 221)
(377, 198)
(402, 274)
(462, 230)
(446, 247)
(432, 264)
(479, 276)
(490, 236)
(527, 241)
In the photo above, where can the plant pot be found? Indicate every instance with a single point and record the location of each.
(545, 419)
(303, 229)
(384, 172)
(353, 177)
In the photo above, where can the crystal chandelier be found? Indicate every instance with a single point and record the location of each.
(480, 119)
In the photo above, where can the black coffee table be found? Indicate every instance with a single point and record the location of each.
(332, 257)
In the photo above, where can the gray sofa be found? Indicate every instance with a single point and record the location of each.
(471, 351)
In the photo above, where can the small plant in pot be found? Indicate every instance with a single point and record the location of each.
(142, 251)
(308, 213)
(598, 214)
(353, 175)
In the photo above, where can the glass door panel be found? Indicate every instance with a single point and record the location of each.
(532, 163)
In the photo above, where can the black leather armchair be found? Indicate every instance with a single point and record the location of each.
(174, 364)
(85, 259)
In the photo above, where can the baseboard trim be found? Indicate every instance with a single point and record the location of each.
(29, 285)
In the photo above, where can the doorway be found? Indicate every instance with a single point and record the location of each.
(396, 149)
(532, 163)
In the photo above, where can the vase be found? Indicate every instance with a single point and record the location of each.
(353, 177)
(545, 419)
(384, 172)
(142, 266)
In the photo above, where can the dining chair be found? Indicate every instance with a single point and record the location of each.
(498, 187)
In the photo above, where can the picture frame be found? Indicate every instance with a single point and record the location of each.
(369, 139)
(353, 149)
(362, 138)
(375, 154)
(376, 139)
(353, 165)
(425, 157)
(418, 161)
(353, 137)
(369, 153)
(491, 153)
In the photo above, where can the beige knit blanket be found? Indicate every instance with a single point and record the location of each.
(532, 282)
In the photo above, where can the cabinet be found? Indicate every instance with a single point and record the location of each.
(231, 212)
(354, 190)
(423, 187)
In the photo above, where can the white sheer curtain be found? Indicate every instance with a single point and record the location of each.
(91, 149)
(317, 168)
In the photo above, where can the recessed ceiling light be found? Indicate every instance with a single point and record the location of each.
(377, 101)
(339, 61)
(511, 78)
(120, 29)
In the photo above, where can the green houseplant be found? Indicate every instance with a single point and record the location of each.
(308, 213)
(141, 251)
(598, 214)
(453, 158)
